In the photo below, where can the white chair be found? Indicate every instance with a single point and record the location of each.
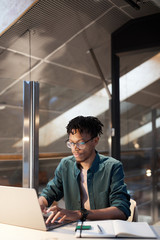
(134, 211)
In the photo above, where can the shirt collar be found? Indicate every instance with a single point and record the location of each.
(95, 164)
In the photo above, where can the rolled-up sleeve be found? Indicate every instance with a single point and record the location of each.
(119, 196)
(54, 189)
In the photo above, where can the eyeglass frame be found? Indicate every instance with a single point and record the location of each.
(80, 143)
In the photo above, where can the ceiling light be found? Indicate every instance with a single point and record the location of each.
(148, 173)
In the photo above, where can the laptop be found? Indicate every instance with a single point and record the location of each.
(20, 207)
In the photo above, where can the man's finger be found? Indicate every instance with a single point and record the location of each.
(62, 219)
(50, 217)
(56, 216)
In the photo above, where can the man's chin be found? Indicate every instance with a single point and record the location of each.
(78, 159)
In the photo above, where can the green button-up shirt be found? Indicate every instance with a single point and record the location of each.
(105, 180)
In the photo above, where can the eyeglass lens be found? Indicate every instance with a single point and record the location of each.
(79, 145)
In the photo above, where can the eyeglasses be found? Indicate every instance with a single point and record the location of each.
(80, 145)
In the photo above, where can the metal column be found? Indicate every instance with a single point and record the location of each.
(115, 105)
(154, 206)
(30, 134)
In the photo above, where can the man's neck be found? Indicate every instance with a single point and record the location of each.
(87, 164)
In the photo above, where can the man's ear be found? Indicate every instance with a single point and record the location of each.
(96, 140)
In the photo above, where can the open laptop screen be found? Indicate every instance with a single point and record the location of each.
(20, 207)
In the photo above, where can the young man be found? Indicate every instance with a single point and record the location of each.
(92, 184)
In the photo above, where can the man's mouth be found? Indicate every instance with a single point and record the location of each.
(76, 154)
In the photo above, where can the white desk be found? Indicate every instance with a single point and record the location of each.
(8, 232)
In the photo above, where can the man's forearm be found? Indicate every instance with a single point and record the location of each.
(106, 213)
(75, 215)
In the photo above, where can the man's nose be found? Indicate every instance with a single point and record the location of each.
(75, 146)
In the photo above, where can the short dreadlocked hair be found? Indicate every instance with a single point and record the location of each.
(89, 124)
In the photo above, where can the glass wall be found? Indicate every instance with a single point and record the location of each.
(140, 135)
(11, 133)
(140, 141)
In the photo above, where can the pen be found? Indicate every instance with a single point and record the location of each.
(100, 229)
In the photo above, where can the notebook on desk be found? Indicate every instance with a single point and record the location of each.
(20, 207)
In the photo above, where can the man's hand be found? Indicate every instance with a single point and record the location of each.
(43, 204)
(56, 213)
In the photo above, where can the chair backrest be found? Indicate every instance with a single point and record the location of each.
(134, 211)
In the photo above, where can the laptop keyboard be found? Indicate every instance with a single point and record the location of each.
(56, 224)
